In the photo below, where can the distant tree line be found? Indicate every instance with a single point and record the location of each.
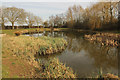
(99, 16)
(17, 15)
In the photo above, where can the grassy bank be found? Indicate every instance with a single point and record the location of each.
(25, 44)
(18, 56)
(12, 31)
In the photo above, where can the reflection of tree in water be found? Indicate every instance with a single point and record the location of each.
(73, 42)
(105, 57)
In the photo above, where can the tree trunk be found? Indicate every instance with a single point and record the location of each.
(29, 25)
(111, 13)
(51, 28)
(111, 16)
(17, 27)
(38, 26)
(12, 25)
(3, 27)
(38, 29)
(3, 21)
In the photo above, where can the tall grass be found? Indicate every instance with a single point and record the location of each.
(29, 46)
(26, 48)
(53, 68)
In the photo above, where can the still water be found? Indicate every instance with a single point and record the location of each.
(85, 58)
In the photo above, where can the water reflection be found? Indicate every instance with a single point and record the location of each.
(86, 58)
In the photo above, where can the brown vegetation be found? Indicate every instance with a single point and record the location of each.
(105, 38)
(99, 16)
(19, 53)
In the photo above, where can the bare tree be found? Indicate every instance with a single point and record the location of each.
(112, 6)
(22, 20)
(38, 20)
(95, 17)
(100, 14)
(3, 19)
(56, 20)
(30, 19)
(52, 21)
(70, 17)
(75, 16)
(14, 14)
(59, 20)
(109, 12)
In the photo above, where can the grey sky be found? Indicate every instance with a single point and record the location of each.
(45, 9)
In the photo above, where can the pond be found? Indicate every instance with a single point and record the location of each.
(85, 58)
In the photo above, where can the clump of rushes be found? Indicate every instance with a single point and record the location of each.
(53, 68)
(54, 45)
(27, 47)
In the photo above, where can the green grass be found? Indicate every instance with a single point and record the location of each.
(13, 63)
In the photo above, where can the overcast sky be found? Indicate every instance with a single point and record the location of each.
(46, 8)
